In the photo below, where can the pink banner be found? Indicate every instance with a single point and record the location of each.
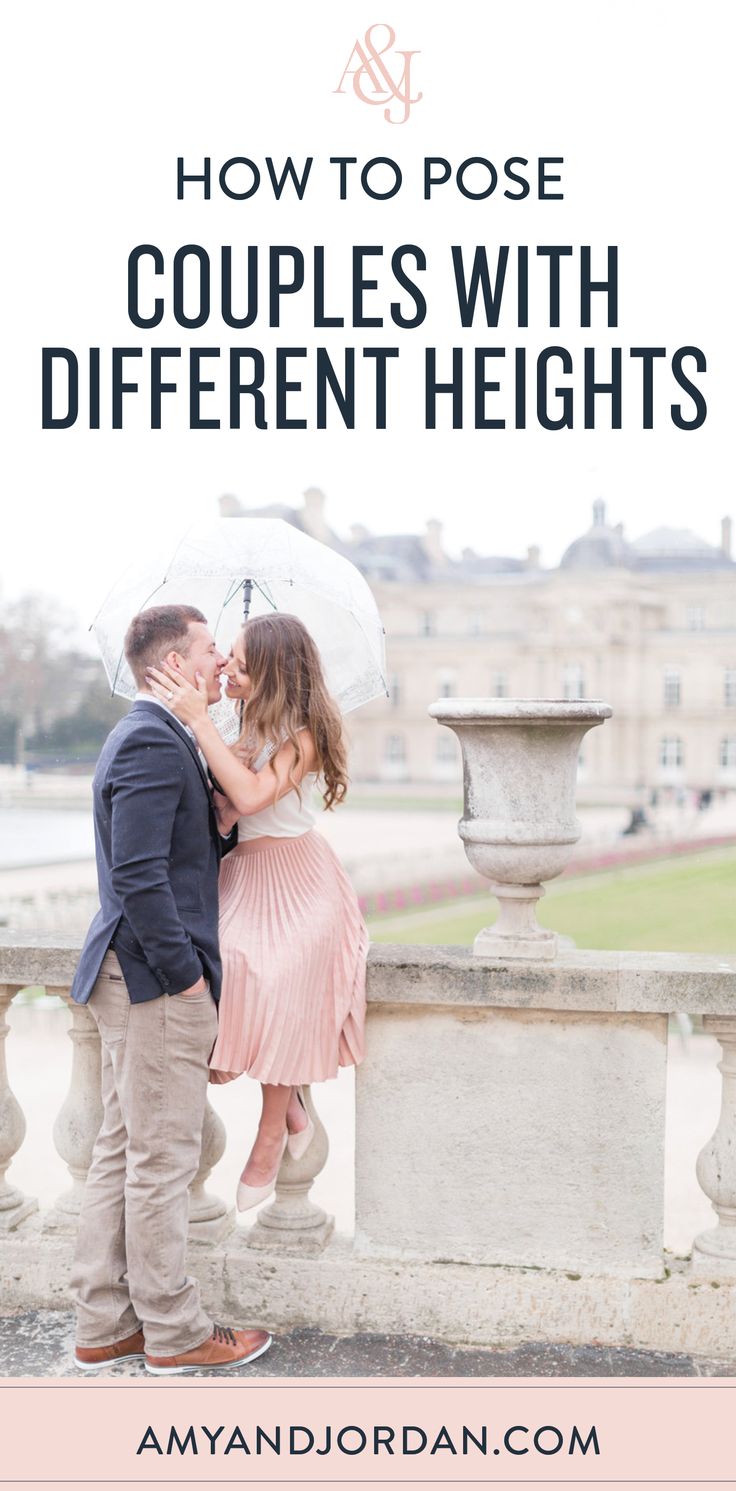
(383, 1431)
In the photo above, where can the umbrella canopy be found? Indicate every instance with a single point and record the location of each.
(210, 567)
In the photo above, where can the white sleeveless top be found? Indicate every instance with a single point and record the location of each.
(285, 819)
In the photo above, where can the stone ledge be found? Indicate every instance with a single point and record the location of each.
(473, 1305)
(37, 959)
(577, 980)
(451, 977)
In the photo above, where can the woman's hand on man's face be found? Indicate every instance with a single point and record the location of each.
(174, 690)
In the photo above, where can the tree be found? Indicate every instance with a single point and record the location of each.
(79, 735)
(45, 680)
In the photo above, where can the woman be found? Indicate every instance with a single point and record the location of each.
(292, 938)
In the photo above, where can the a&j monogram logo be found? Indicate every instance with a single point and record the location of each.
(391, 88)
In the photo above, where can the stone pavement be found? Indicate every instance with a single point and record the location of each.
(39, 1344)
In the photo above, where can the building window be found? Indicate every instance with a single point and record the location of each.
(727, 753)
(446, 747)
(427, 624)
(446, 685)
(394, 749)
(671, 752)
(573, 682)
(499, 686)
(695, 618)
(394, 690)
(671, 688)
(729, 686)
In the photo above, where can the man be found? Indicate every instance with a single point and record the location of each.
(150, 968)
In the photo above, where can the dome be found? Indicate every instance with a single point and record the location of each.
(602, 547)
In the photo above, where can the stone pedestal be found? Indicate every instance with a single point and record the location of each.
(516, 933)
(511, 1136)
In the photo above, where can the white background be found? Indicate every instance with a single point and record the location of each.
(103, 99)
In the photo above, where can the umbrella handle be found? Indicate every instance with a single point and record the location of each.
(247, 594)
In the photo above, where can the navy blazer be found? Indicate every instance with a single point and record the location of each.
(158, 853)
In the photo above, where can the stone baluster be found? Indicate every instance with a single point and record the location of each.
(80, 1116)
(714, 1251)
(14, 1206)
(292, 1223)
(210, 1219)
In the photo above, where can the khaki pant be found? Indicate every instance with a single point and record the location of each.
(129, 1267)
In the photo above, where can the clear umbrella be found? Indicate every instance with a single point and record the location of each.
(229, 567)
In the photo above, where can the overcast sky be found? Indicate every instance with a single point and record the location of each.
(104, 99)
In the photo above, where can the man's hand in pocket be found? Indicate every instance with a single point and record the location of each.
(199, 988)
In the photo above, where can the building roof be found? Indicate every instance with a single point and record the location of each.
(407, 558)
(402, 557)
(604, 547)
(395, 556)
(677, 548)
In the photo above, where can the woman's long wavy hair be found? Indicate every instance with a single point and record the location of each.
(288, 691)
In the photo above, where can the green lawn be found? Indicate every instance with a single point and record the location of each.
(686, 904)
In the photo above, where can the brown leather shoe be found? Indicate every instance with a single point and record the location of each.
(92, 1358)
(224, 1348)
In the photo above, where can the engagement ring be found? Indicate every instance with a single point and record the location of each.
(170, 694)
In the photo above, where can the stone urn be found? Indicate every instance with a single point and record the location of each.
(518, 826)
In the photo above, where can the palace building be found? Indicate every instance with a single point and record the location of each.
(647, 624)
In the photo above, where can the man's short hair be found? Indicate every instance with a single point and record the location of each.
(155, 632)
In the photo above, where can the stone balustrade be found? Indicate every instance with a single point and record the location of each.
(509, 1159)
(291, 1222)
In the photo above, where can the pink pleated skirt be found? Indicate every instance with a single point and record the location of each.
(294, 946)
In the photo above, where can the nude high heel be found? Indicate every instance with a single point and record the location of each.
(249, 1196)
(298, 1144)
